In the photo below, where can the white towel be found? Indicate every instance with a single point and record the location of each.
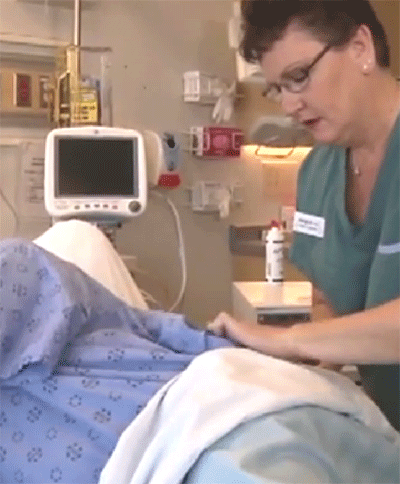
(219, 390)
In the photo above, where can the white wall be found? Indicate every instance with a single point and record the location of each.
(154, 43)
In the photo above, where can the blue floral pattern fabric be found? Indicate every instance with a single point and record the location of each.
(76, 366)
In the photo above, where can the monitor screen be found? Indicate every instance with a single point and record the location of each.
(96, 167)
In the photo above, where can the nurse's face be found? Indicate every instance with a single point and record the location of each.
(327, 100)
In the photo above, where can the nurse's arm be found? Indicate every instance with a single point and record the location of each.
(369, 336)
(321, 310)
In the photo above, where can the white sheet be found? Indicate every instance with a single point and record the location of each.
(218, 391)
(84, 245)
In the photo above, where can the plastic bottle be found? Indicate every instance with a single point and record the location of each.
(274, 254)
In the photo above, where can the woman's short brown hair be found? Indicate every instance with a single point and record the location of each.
(331, 21)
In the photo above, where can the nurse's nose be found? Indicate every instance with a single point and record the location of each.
(291, 103)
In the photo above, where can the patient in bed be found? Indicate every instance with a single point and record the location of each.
(81, 356)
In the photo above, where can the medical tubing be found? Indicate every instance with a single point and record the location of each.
(182, 254)
(149, 298)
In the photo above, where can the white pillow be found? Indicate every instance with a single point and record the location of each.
(84, 245)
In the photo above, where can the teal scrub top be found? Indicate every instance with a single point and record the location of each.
(355, 266)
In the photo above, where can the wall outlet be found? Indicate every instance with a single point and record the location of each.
(286, 216)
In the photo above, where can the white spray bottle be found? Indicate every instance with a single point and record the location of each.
(274, 254)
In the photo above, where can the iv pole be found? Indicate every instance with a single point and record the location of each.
(75, 64)
(77, 35)
(75, 102)
(77, 23)
(67, 89)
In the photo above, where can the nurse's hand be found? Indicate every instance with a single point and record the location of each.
(266, 339)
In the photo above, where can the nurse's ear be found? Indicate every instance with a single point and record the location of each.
(361, 49)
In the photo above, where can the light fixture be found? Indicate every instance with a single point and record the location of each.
(275, 155)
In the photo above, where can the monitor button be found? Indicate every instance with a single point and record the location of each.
(134, 206)
(77, 207)
(97, 205)
(105, 205)
(115, 207)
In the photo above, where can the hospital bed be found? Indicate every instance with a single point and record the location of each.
(94, 389)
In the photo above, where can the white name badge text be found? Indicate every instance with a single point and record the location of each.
(305, 223)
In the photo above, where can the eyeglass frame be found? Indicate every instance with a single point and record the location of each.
(307, 70)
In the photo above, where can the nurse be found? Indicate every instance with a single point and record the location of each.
(327, 63)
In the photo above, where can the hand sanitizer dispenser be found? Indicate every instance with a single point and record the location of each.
(163, 159)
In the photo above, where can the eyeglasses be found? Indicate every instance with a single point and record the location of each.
(295, 80)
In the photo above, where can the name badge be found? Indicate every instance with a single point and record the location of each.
(389, 249)
(309, 224)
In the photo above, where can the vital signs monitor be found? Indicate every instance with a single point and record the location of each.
(95, 173)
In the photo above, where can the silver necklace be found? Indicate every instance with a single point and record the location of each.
(355, 169)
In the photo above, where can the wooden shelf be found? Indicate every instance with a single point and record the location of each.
(85, 4)
(23, 48)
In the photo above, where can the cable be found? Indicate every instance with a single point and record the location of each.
(149, 298)
(110, 231)
(182, 254)
(13, 211)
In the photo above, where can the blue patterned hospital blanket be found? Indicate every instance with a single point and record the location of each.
(77, 366)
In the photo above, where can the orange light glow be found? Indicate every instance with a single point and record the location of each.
(270, 155)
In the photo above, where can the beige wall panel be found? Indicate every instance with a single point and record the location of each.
(252, 105)
(388, 12)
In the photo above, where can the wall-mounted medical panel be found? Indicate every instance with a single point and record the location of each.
(27, 66)
(216, 141)
(201, 88)
(24, 91)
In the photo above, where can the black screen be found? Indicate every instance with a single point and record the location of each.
(96, 167)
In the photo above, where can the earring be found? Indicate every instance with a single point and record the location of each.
(367, 66)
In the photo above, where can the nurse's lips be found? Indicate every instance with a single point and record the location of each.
(310, 123)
